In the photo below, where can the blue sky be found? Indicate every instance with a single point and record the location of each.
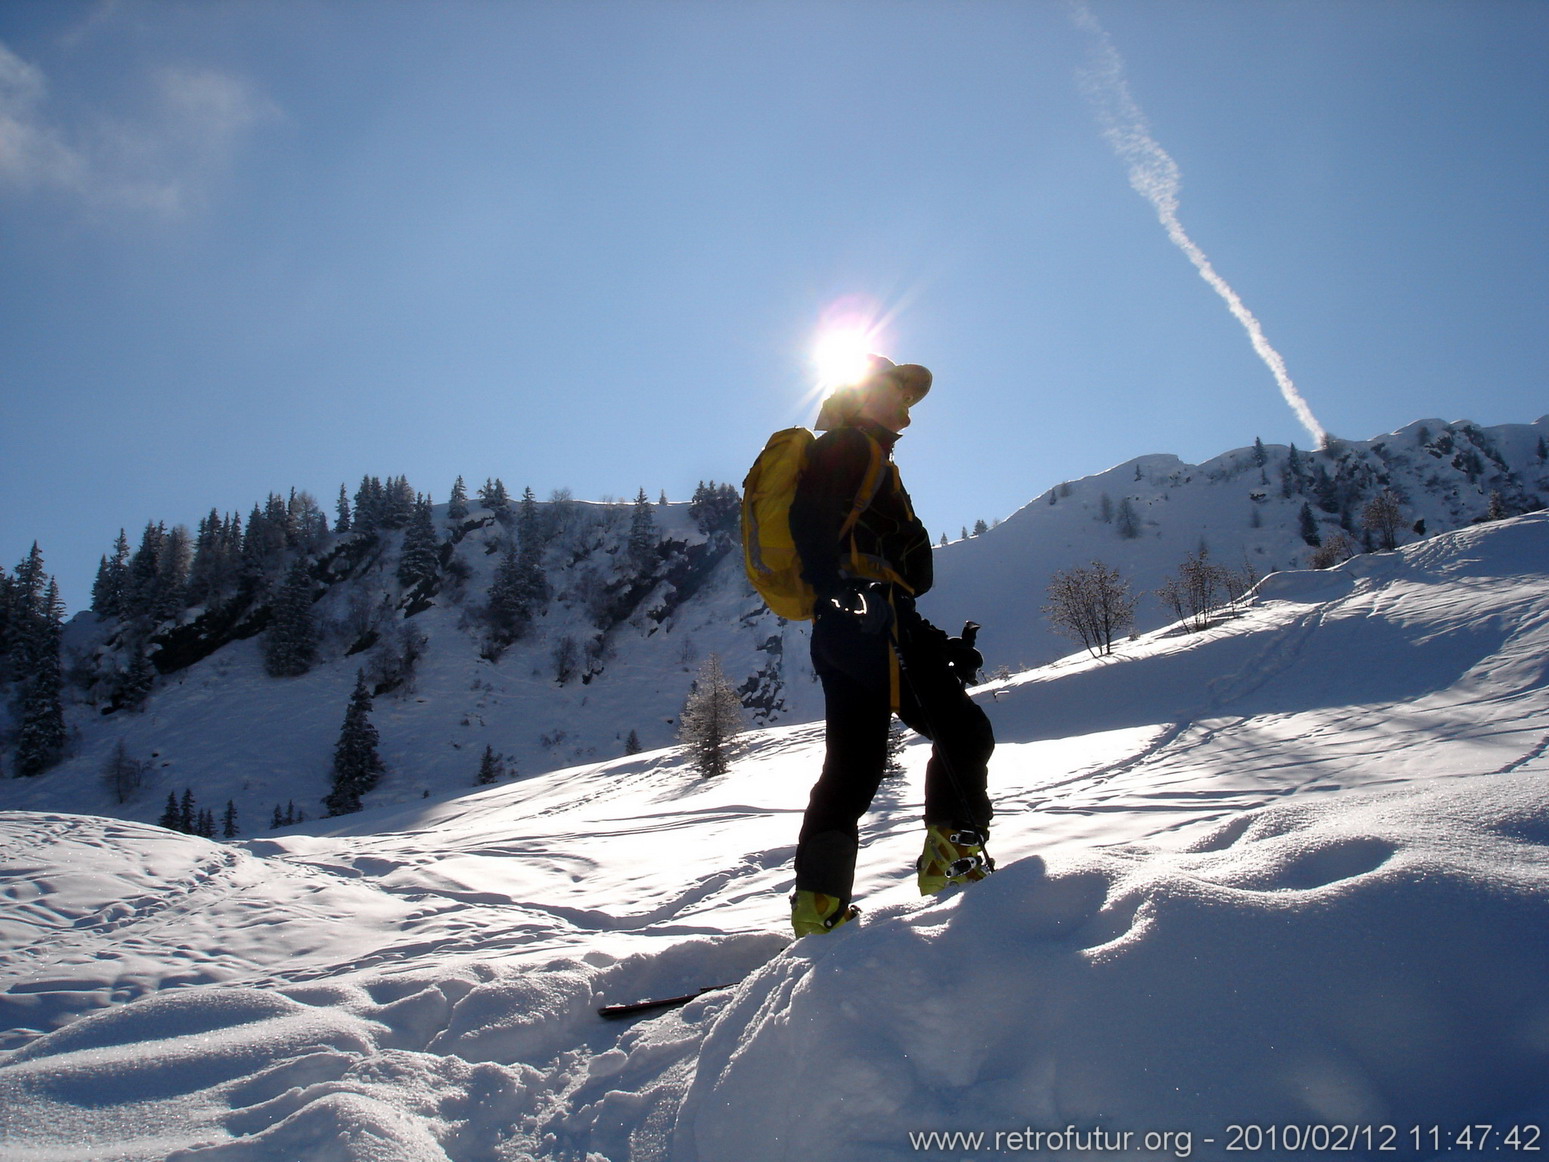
(246, 247)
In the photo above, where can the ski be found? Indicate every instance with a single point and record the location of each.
(614, 1012)
(661, 1004)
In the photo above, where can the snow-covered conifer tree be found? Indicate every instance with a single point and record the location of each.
(494, 496)
(290, 643)
(1293, 476)
(492, 767)
(421, 558)
(642, 534)
(370, 502)
(715, 507)
(401, 501)
(35, 630)
(528, 519)
(41, 741)
(356, 764)
(1308, 526)
(253, 573)
(342, 520)
(172, 567)
(143, 594)
(107, 594)
(532, 585)
(25, 593)
(211, 571)
(134, 685)
(508, 609)
(457, 505)
(263, 548)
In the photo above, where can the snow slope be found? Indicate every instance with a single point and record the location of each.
(1289, 872)
(1241, 511)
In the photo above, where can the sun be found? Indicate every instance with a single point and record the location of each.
(840, 355)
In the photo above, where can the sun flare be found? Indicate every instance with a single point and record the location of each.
(840, 355)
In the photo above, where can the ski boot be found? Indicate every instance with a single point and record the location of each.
(813, 913)
(952, 855)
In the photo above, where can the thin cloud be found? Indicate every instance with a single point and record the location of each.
(160, 160)
(1155, 176)
(211, 107)
(32, 156)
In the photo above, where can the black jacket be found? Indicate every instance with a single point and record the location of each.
(887, 529)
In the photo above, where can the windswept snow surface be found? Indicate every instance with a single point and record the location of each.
(1276, 886)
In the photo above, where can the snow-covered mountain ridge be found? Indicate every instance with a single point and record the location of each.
(611, 652)
(1246, 507)
(1289, 873)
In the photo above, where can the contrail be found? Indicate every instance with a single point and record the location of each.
(1154, 174)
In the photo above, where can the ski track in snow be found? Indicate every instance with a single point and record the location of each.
(1294, 867)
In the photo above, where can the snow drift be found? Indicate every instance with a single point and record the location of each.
(1367, 963)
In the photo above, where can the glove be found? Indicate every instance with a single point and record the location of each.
(865, 604)
(963, 659)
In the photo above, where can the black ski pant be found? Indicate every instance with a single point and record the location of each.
(856, 669)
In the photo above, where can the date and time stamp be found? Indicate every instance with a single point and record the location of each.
(1476, 1138)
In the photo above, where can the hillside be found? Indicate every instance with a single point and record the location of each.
(612, 649)
(1246, 513)
(1288, 872)
(612, 645)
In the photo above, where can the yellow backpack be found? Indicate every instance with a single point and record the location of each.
(768, 549)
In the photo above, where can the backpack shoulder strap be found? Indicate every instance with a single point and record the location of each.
(871, 484)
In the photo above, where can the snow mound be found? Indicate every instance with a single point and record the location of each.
(1362, 960)
(424, 1066)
